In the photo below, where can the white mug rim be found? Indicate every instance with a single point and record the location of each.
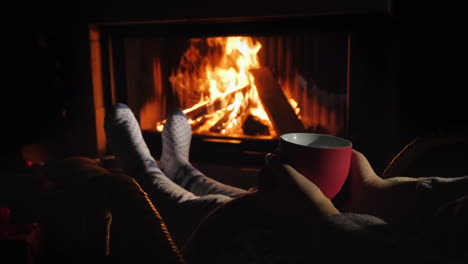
(344, 143)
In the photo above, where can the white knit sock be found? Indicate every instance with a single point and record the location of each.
(125, 140)
(176, 137)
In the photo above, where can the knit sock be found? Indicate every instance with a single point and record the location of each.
(176, 137)
(125, 140)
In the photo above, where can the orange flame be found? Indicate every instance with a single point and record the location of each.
(215, 87)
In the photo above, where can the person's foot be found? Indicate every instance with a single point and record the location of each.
(176, 137)
(125, 140)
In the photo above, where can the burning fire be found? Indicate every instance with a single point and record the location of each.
(216, 89)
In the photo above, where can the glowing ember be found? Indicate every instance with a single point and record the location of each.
(216, 89)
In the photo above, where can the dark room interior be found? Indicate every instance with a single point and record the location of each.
(404, 84)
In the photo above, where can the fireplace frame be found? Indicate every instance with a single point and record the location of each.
(107, 81)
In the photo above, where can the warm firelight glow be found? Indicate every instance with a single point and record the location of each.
(294, 106)
(216, 88)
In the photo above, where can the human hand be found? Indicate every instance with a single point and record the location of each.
(286, 192)
(362, 185)
(393, 200)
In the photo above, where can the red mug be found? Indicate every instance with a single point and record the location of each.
(323, 159)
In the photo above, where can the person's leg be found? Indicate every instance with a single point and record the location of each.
(176, 137)
(182, 210)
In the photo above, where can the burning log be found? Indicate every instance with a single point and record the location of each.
(220, 125)
(212, 106)
(276, 105)
(254, 126)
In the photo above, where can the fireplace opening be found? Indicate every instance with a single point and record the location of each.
(240, 86)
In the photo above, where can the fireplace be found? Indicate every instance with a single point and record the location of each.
(243, 81)
(229, 86)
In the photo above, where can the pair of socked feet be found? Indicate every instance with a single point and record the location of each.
(174, 179)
